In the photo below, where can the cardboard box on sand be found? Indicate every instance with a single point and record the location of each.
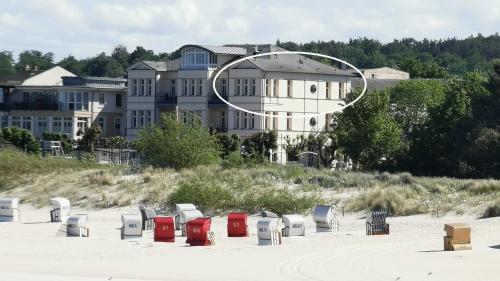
(457, 237)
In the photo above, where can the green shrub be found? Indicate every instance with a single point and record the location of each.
(493, 210)
(172, 143)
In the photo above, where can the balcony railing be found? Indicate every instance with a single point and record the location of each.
(166, 100)
(32, 106)
(213, 99)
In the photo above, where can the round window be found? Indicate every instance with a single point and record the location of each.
(313, 89)
(312, 121)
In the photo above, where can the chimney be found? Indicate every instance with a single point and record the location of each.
(256, 50)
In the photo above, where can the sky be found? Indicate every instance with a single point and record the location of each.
(84, 28)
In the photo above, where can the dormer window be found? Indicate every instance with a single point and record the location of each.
(198, 58)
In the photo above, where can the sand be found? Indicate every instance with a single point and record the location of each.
(34, 249)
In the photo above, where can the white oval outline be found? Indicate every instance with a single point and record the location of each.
(288, 53)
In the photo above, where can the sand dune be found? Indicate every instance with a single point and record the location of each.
(35, 249)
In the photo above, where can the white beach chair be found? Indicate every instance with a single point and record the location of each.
(76, 225)
(131, 226)
(9, 210)
(325, 218)
(268, 231)
(294, 225)
(61, 209)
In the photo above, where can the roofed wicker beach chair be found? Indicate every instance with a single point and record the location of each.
(375, 223)
(148, 216)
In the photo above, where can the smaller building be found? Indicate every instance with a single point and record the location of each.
(385, 73)
(58, 101)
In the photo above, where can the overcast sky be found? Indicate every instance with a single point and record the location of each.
(84, 28)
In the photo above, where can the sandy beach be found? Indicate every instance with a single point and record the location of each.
(34, 249)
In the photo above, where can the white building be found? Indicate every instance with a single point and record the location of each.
(278, 85)
(57, 101)
(385, 73)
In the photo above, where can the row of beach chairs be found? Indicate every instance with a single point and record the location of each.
(196, 228)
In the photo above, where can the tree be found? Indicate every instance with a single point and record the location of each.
(90, 137)
(141, 54)
(35, 58)
(411, 101)
(228, 144)
(439, 145)
(172, 143)
(103, 65)
(367, 132)
(418, 69)
(121, 55)
(259, 144)
(73, 65)
(21, 138)
(6, 63)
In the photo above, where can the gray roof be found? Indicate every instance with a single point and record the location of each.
(174, 64)
(17, 78)
(296, 63)
(228, 50)
(375, 84)
(156, 65)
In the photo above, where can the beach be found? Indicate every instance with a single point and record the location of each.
(35, 249)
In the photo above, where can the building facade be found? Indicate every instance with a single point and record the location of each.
(57, 101)
(283, 85)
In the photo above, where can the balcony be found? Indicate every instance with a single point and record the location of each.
(215, 102)
(166, 101)
(32, 106)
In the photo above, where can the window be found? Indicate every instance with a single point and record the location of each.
(118, 100)
(328, 90)
(27, 123)
(102, 99)
(200, 87)
(245, 92)
(275, 121)
(5, 121)
(134, 119)
(313, 89)
(68, 125)
(150, 87)
(245, 120)
(276, 88)
(82, 124)
(101, 121)
(134, 87)
(117, 126)
(268, 87)
(141, 118)
(252, 121)
(252, 93)
(15, 121)
(289, 88)
(289, 121)
(341, 90)
(56, 124)
(267, 124)
(223, 120)
(238, 87)
(237, 120)
(224, 87)
(184, 93)
(42, 124)
(312, 122)
(173, 91)
(78, 101)
(147, 121)
(196, 58)
(193, 85)
(143, 81)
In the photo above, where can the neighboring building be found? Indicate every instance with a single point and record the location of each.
(385, 73)
(278, 85)
(58, 101)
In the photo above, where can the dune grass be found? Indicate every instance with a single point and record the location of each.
(232, 187)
